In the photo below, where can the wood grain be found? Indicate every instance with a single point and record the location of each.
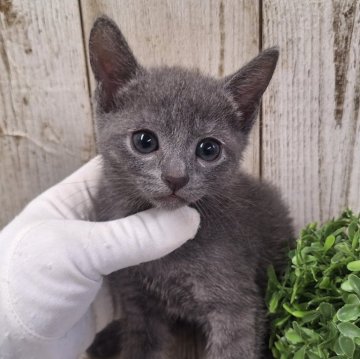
(311, 123)
(216, 37)
(45, 115)
(310, 135)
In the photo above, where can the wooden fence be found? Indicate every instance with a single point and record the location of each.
(307, 140)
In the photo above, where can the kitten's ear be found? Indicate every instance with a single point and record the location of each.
(248, 84)
(111, 60)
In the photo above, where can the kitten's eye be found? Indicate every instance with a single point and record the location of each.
(145, 141)
(208, 149)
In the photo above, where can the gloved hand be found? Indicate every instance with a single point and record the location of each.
(53, 298)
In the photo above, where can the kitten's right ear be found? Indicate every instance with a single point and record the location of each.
(111, 60)
(248, 84)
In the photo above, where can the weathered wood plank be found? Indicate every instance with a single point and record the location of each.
(311, 123)
(45, 114)
(214, 36)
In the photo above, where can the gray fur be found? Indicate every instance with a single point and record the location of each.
(215, 282)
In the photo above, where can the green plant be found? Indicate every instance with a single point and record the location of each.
(315, 307)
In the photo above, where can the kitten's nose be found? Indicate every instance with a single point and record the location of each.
(175, 183)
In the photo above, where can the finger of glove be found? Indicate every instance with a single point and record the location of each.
(139, 238)
(104, 247)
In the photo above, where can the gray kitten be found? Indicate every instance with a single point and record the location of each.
(172, 137)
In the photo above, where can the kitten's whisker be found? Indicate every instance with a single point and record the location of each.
(199, 208)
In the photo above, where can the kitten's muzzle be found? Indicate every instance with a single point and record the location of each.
(175, 183)
(171, 201)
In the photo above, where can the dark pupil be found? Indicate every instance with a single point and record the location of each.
(208, 150)
(145, 142)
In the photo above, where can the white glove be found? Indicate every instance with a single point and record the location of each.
(52, 262)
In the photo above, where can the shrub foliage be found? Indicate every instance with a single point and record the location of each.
(315, 307)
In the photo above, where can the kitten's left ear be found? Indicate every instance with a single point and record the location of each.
(248, 85)
(111, 59)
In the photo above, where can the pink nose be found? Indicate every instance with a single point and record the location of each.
(175, 183)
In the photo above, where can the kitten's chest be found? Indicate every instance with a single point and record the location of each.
(181, 281)
(177, 292)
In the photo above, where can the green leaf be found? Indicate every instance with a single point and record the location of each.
(349, 330)
(309, 317)
(300, 354)
(329, 242)
(346, 286)
(354, 266)
(309, 259)
(312, 355)
(274, 302)
(337, 348)
(272, 276)
(294, 312)
(281, 321)
(355, 283)
(295, 260)
(326, 310)
(355, 240)
(295, 289)
(293, 337)
(325, 283)
(348, 312)
(352, 299)
(337, 257)
(353, 227)
(347, 346)
(311, 334)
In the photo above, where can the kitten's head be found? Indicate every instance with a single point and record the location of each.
(173, 134)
